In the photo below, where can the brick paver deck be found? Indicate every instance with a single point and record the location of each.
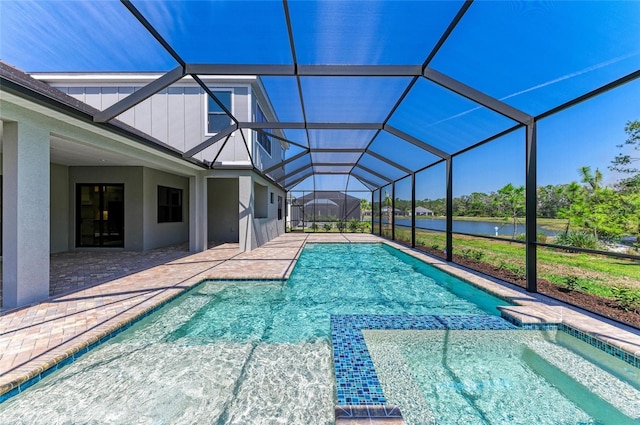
(33, 339)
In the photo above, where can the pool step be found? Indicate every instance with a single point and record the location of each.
(603, 384)
(363, 414)
(537, 316)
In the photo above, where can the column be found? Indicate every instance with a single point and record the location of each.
(531, 209)
(198, 213)
(245, 212)
(26, 214)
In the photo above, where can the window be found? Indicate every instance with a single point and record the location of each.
(279, 207)
(271, 197)
(169, 205)
(263, 139)
(217, 119)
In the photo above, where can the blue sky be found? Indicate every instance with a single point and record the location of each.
(531, 55)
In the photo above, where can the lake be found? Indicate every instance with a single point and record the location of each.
(473, 227)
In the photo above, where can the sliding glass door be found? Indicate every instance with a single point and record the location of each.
(100, 215)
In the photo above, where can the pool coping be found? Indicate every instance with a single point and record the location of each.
(530, 310)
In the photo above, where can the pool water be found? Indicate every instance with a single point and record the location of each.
(501, 377)
(244, 352)
(329, 279)
(239, 352)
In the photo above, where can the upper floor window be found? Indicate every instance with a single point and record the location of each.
(263, 139)
(217, 119)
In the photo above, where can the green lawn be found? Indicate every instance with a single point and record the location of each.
(597, 274)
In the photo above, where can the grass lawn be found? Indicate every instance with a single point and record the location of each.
(596, 274)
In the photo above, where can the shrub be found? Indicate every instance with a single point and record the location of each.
(577, 239)
(435, 246)
(327, 226)
(571, 283)
(364, 227)
(628, 299)
(518, 271)
(341, 225)
(540, 237)
(314, 227)
(472, 254)
(353, 225)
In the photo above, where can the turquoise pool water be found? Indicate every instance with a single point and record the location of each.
(244, 352)
(503, 377)
(329, 279)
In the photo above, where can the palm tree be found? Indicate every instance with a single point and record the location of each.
(511, 200)
(388, 203)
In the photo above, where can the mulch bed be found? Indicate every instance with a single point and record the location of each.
(600, 305)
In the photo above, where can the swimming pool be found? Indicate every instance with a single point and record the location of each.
(500, 377)
(241, 352)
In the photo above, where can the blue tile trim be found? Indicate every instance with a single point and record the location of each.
(356, 379)
(632, 359)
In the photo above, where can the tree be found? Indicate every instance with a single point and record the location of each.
(631, 206)
(388, 202)
(551, 199)
(364, 206)
(629, 187)
(403, 205)
(625, 163)
(598, 209)
(510, 200)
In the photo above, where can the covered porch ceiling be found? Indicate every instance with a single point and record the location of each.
(364, 92)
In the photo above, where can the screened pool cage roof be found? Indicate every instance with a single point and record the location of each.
(361, 93)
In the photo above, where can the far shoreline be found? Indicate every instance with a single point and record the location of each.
(555, 224)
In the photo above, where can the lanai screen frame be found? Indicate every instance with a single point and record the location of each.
(362, 173)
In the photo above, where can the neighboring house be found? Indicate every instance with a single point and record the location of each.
(143, 180)
(324, 206)
(422, 211)
(385, 211)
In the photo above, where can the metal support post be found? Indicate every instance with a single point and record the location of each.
(531, 207)
(413, 210)
(449, 235)
(392, 216)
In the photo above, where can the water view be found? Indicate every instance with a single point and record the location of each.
(474, 227)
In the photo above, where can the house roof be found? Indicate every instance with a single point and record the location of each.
(365, 92)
